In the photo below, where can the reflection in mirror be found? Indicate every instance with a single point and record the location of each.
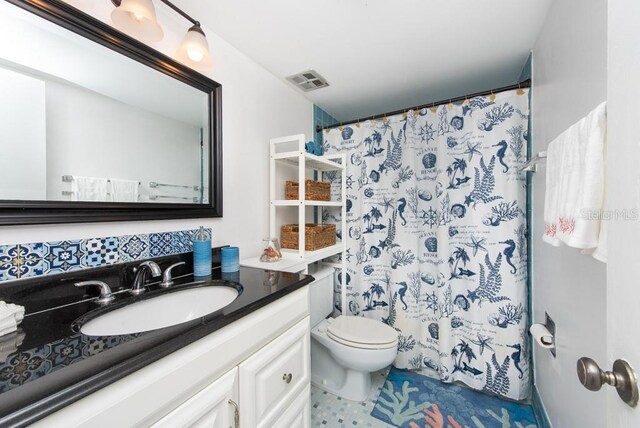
(80, 122)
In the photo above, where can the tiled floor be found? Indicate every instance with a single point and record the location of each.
(330, 411)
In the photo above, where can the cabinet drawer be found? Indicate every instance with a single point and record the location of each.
(273, 377)
(298, 414)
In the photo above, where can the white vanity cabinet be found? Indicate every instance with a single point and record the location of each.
(258, 366)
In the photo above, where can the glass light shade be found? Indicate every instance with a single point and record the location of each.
(194, 50)
(137, 18)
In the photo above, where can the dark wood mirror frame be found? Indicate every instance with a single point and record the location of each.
(47, 212)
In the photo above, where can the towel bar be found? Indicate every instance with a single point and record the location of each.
(155, 197)
(532, 165)
(69, 178)
(154, 184)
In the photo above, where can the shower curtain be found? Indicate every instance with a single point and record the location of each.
(436, 236)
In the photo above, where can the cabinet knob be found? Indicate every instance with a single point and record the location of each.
(287, 377)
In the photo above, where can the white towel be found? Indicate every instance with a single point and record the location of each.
(89, 189)
(124, 190)
(9, 344)
(574, 197)
(10, 316)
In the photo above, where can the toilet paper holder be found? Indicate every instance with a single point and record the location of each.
(550, 326)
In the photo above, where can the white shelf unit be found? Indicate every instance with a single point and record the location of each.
(289, 151)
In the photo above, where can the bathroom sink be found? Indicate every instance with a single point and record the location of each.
(164, 310)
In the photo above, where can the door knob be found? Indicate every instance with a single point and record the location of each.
(622, 377)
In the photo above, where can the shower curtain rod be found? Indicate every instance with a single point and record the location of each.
(523, 84)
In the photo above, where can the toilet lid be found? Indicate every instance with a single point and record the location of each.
(362, 332)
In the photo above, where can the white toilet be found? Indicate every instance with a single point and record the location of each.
(345, 350)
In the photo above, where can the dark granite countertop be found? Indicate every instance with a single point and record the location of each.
(47, 365)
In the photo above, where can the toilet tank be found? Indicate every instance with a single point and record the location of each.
(321, 292)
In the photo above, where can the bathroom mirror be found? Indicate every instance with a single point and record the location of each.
(96, 126)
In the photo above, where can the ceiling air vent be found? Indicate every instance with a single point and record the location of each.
(308, 80)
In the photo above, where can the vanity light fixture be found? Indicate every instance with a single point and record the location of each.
(194, 49)
(138, 19)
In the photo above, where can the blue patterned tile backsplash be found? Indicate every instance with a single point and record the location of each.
(48, 258)
(21, 261)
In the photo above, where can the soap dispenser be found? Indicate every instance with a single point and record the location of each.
(202, 254)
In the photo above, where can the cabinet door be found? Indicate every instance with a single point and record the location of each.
(208, 408)
(272, 378)
(298, 414)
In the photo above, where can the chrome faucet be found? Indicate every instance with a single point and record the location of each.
(141, 276)
(167, 280)
(105, 291)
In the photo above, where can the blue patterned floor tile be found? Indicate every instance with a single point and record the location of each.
(21, 261)
(133, 247)
(102, 251)
(63, 256)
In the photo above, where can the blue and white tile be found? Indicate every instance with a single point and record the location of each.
(133, 247)
(102, 251)
(183, 240)
(63, 256)
(65, 352)
(28, 260)
(22, 367)
(21, 261)
(161, 244)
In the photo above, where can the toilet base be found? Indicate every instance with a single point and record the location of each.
(355, 386)
(332, 377)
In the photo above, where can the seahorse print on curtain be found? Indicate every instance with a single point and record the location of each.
(436, 236)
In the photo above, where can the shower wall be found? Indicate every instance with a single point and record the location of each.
(569, 80)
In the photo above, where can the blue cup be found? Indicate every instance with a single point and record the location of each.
(230, 259)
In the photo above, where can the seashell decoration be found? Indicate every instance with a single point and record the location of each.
(425, 195)
(429, 160)
(431, 244)
(434, 330)
(458, 210)
(347, 132)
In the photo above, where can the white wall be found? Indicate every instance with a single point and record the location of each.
(569, 80)
(256, 106)
(89, 134)
(22, 137)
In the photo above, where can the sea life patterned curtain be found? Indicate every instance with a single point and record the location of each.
(436, 239)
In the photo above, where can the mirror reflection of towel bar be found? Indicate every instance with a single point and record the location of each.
(70, 193)
(154, 184)
(184, 198)
(69, 178)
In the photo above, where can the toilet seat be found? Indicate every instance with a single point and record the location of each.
(363, 333)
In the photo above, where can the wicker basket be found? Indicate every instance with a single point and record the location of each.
(313, 190)
(316, 236)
